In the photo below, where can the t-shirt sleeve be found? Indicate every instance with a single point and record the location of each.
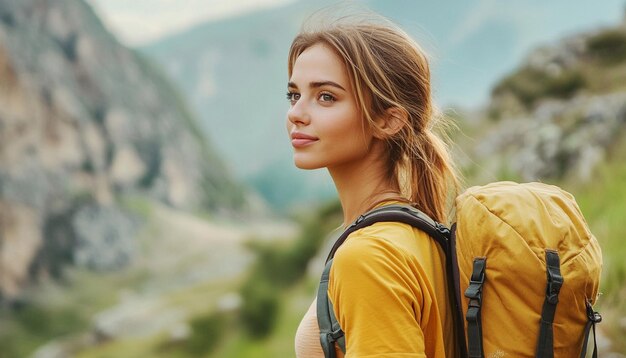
(376, 299)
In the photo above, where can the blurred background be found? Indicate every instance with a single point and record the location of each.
(149, 206)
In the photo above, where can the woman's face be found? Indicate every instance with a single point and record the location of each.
(324, 123)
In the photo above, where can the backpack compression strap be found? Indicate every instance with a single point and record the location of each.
(330, 331)
(593, 318)
(545, 343)
(474, 324)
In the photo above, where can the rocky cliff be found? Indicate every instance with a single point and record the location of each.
(84, 123)
(559, 114)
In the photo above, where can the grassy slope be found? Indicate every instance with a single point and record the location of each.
(177, 270)
(296, 301)
(603, 202)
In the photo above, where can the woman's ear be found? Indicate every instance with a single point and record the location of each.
(390, 122)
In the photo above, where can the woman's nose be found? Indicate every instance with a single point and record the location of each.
(298, 114)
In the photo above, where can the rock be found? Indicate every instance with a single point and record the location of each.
(179, 332)
(558, 138)
(137, 318)
(51, 350)
(554, 58)
(127, 168)
(118, 125)
(21, 239)
(229, 302)
(559, 107)
(83, 122)
(104, 237)
(95, 147)
(63, 348)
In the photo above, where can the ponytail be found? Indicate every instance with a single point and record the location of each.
(429, 177)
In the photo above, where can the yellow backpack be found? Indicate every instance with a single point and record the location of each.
(522, 264)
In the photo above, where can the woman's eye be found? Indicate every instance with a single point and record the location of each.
(293, 97)
(325, 97)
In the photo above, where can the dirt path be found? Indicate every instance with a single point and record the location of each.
(179, 248)
(183, 260)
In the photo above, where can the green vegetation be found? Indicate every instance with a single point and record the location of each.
(530, 85)
(605, 212)
(295, 301)
(57, 310)
(608, 47)
(279, 267)
(138, 205)
(603, 202)
(600, 69)
(32, 325)
(284, 265)
(260, 307)
(273, 296)
(206, 333)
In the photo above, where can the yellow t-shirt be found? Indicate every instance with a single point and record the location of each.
(388, 288)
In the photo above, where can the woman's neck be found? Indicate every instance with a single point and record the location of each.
(361, 185)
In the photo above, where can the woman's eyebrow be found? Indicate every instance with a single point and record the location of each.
(318, 84)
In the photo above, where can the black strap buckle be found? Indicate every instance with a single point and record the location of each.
(474, 293)
(555, 280)
(474, 290)
(593, 316)
(334, 335)
(553, 289)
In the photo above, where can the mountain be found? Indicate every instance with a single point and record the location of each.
(233, 71)
(87, 126)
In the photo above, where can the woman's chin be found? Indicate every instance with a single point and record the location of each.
(306, 165)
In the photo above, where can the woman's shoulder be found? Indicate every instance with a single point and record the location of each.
(381, 242)
(372, 259)
(398, 235)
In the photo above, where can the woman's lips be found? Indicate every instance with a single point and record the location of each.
(298, 143)
(299, 140)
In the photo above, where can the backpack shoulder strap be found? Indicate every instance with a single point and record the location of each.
(330, 330)
(398, 213)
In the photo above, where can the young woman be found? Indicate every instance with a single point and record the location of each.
(361, 106)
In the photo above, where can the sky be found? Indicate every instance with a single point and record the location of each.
(137, 22)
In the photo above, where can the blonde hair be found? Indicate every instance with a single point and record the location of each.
(389, 69)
